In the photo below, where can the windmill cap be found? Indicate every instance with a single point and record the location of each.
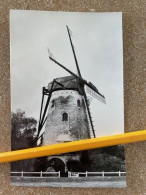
(68, 82)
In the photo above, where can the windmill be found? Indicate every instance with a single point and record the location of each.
(76, 83)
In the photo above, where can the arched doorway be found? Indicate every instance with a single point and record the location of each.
(64, 116)
(56, 164)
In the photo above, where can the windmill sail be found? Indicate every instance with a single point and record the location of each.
(73, 50)
(89, 114)
(95, 94)
(90, 88)
(50, 54)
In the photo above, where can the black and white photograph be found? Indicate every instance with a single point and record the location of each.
(66, 75)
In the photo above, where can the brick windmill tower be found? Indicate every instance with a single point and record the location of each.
(67, 115)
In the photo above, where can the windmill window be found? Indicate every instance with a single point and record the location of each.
(78, 103)
(64, 116)
(83, 102)
(53, 103)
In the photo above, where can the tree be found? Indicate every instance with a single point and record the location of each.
(22, 136)
(108, 158)
(23, 130)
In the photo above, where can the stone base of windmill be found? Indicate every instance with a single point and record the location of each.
(70, 162)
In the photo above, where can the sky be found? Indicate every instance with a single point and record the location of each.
(97, 38)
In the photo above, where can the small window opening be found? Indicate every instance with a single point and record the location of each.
(78, 103)
(64, 116)
(83, 103)
(53, 103)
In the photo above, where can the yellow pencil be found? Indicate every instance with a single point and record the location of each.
(73, 146)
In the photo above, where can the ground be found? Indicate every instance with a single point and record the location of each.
(106, 182)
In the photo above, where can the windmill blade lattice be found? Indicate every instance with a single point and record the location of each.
(95, 95)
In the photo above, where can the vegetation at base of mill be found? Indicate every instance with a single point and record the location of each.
(23, 130)
(108, 159)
